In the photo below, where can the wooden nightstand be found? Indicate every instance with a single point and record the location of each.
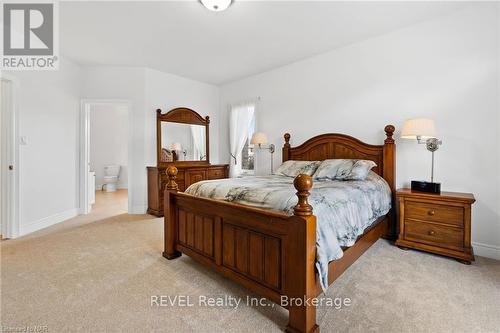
(437, 223)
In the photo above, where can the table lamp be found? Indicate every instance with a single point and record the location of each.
(175, 147)
(424, 131)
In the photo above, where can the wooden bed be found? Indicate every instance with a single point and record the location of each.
(272, 253)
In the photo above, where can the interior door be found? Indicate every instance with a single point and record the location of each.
(8, 167)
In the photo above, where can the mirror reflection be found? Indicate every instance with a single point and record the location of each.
(183, 142)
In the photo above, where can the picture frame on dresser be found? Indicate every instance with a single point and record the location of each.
(183, 141)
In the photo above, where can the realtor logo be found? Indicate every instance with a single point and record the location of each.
(29, 36)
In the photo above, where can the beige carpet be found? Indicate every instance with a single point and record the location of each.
(97, 273)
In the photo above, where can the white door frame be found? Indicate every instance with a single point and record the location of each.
(10, 162)
(85, 149)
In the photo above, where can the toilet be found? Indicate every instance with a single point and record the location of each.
(111, 175)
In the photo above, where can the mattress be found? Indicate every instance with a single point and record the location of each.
(343, 209)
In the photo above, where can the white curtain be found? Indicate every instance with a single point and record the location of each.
(198, 135)
(240, 119)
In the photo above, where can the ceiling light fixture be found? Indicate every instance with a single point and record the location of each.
(216, 5)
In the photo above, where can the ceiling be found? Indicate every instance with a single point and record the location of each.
(251, 37)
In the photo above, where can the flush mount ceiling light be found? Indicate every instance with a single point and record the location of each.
(216, 5)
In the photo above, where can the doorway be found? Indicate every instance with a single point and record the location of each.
(9, 157)
(105, 157)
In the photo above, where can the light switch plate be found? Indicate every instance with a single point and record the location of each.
(23, 140)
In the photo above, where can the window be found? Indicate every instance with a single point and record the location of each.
(241, 128)
(247, 154)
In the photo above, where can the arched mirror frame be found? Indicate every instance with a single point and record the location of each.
(184, 116)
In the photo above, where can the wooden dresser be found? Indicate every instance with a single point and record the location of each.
(437, 223)
(157, 180)
(182, 140)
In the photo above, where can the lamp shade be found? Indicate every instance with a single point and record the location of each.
(418, 128)
(175, 146)
(259, 138)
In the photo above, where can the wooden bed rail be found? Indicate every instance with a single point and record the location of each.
(271, 253)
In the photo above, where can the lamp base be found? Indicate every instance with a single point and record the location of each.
(423, 186)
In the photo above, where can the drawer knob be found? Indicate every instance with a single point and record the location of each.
(431, 232)
(431, 213)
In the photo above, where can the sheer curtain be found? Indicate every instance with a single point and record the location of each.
(240, 119)
(198, 135)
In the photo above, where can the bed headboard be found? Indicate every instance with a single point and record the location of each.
(334, 145)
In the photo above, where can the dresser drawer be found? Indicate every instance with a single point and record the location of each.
(216, 173)
(194, 176)
(434, 213)
(433, 234)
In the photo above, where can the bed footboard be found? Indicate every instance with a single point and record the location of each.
(270, 253)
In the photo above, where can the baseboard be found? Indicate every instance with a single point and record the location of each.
(486, 250)
(47, 221)
(119, 186)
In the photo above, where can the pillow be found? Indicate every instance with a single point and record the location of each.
(344, 169)
(295, 168)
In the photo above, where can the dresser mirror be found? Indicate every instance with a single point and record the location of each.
(183, 142)
(182, 137)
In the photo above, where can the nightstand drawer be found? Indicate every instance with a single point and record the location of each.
(433, 234)
(434, 213)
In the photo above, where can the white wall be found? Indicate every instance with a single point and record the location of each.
(128, 84)
(148, 90)
(166, 91)
(49, 119)
(49, 102)
(109, 141)
(446, 69)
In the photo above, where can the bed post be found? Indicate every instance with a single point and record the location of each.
(286, 148)
(389, 174)
(301, 275)
(170, 218)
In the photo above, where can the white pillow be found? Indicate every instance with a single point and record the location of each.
(295, 168)
(344, 169)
